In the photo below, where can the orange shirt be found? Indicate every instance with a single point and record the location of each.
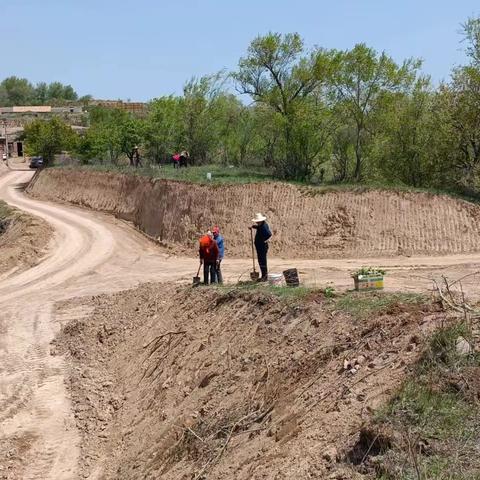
(208, 249)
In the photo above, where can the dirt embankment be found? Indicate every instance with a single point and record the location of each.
(191, 384)
(306, 224)
(23, 239)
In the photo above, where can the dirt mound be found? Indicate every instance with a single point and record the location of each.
(182, 383)
(23, 240)
(306, 223)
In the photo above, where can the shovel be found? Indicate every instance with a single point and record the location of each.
(196, 278)
(254, 274)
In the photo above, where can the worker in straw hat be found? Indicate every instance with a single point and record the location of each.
(262, 237)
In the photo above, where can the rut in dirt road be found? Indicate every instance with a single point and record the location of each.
(38, 437)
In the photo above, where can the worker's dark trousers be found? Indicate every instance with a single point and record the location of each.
(262, 259)
(209, 273)
(219, 272)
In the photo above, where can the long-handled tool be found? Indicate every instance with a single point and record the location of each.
(254, 274)
(196, 278)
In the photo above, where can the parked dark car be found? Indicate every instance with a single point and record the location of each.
(36, 162)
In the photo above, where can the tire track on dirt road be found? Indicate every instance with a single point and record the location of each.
(33, 395)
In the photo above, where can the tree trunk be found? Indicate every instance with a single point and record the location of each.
(358, 156)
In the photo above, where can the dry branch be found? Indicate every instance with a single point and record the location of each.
(179, 332)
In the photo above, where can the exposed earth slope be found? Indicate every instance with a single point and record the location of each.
(306, 223)
(92, 253)
(175, 383)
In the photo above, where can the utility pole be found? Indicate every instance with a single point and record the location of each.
(6, 141)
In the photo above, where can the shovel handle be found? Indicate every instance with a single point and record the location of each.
(253, 251)
(198, 271)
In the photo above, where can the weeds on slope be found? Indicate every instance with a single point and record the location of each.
(433, 422)
(5, 214)
(5, 210)
(282, 292)
(363, 304)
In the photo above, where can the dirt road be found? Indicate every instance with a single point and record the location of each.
(92, 253)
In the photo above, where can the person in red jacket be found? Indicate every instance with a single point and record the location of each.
(209, 253)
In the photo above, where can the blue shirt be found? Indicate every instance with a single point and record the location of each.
(262, 235)
(221, 246)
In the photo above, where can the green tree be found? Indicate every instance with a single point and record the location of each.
(41, 94)
(164, 127)
(407, 127)
(57, 93)
(16, 91)
(278, 73)
(112, 132)
(199, 120)
(456, 125)
(360, 82)
(471, 33)
(48, 138)
(131, 131)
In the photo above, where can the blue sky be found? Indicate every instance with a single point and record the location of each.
(140, 49)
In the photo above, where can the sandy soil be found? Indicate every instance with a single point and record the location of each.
(174, 383)
(91, 254)
(306, 223)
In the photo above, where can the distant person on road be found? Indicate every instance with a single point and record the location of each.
(176, 160)
(221, 252)
(136, 158)
(262, 237)
(184, 157)
(208, 253)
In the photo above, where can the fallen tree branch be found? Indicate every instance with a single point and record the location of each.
(179, 332)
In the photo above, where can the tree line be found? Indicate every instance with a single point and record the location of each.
(15, 91)
(313, 115)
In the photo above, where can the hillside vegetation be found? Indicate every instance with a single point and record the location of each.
(310, 115)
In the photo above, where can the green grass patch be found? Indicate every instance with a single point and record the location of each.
(435, 416)
(438, 414)
(359, 188)
(282, 292)
(364, 304)
(442, 353)
(5, 217)
(224, 174)
(194, 174)
(5, 210)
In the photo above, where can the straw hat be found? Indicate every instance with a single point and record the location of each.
(259, 218)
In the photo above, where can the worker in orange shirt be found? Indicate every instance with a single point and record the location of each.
(209, 254)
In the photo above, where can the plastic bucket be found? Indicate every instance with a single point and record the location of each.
(291, 277)
(275, 279)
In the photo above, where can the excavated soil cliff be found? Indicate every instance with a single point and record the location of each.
(306, 222)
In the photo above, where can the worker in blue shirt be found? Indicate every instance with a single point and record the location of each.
(221, 252)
